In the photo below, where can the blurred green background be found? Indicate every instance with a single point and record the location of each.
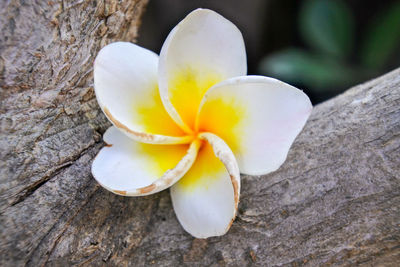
(320, 46)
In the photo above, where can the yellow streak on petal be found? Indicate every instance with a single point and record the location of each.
(149, 112)
(224, 117)
(205, 170)
(160, 158)
(186, 89)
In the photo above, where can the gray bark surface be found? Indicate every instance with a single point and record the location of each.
(335, 201)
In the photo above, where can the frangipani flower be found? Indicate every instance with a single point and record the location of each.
(190, 119)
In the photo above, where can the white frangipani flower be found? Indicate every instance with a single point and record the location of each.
(190, 119)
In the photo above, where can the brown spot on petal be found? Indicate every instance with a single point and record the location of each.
(147, 189)
(120, 192)
(124, 127)
(230, 223)
(236, 198)
(235, 191)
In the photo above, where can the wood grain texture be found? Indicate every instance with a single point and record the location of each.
(335, 201)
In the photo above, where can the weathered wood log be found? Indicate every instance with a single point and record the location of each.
(335, 201)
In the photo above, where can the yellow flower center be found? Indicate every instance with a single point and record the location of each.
(187, 88)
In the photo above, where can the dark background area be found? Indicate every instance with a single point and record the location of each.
(269, 27)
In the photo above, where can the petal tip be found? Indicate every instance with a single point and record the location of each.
(200, 10)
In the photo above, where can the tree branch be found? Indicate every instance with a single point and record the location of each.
(335, 201)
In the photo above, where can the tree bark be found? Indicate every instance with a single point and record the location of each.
(335, 201)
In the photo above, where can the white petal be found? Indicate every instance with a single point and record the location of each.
(258, 117)
(205, 200)
(125, 82)
(130, 168)
(202, 50)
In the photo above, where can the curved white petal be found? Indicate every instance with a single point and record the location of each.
(125, 82)
(130, 168)
(202, 50)
(258, 117)
(225, 154)
(205, 200)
